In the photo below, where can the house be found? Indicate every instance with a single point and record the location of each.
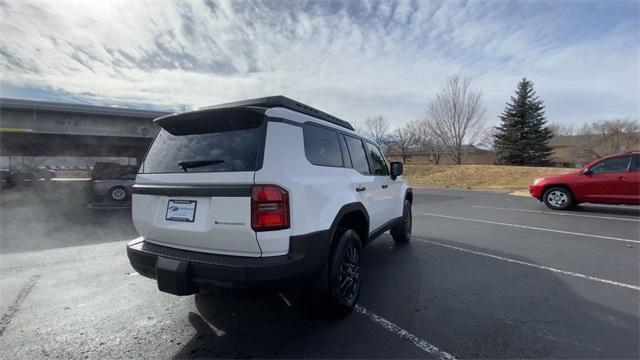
(474, 156)
(578, 150)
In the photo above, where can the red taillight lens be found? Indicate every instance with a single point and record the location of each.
(269, 208)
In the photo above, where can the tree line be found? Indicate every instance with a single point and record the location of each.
(455, 119)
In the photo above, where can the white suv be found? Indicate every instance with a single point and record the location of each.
(264, 193)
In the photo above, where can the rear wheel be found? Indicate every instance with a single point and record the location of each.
(558, 198)
(118, 193)
(401, 232)
(344, 272)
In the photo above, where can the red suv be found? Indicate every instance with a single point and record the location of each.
(614, 179)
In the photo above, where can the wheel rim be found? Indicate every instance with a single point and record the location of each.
(407, 222)
(557, 198)
(349, 279)
(118, 194)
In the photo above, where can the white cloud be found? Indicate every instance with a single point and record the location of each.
(354, 60)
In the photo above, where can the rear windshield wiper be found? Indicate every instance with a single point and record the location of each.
(184, 165)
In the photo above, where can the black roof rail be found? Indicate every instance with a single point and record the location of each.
(285, 102)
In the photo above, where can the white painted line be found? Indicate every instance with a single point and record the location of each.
(556, 213)
(533, 228)
(542, 267)
(420, 343)
(215, 330)
(285, 300)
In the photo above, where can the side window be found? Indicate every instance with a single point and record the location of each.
(128, 176)
(321, 146)
(635, 163)
(617, 164)
(358, 155)
(378, 164)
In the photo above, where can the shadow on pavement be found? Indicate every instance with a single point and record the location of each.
(610, 210)
(262, 326)
(468, 305)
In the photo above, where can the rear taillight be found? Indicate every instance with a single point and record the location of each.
(269, 208)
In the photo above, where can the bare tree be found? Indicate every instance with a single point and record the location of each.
(403, 140)
(487, 138)
(377, 128)
(426, 141)
(607, 137)
(358, 126)
(456, 116)
(563, 130)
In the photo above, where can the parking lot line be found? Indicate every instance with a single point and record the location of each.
(542, 267)
(420, 343)
(532, 228)
(556, 213)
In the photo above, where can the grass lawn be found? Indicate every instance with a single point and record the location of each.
(489, 177)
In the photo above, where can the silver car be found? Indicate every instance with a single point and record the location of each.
(113, 185)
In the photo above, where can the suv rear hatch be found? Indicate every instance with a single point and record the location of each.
(194, 187)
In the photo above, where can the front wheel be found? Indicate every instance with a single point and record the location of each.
(118, 193)
(401, 232)
(558, 198)
(344, 272)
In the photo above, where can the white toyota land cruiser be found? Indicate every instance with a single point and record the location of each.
(264, 193)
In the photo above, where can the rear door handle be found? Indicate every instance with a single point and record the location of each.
(361, 188)
(385, 186)
(622, 178)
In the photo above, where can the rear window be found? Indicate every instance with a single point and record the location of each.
(321, 146)
(237, 150)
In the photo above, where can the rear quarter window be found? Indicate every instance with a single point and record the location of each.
(321, 146)
(635, 163)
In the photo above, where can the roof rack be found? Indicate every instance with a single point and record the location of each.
(285, 102)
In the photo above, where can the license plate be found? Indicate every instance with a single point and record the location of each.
(181, 210)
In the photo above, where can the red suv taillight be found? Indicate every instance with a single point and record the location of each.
(269, 208)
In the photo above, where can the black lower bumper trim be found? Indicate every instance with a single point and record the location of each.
(183, 272)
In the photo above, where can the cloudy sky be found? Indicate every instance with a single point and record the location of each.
(354, 59)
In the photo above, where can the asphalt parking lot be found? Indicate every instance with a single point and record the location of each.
(487, 275)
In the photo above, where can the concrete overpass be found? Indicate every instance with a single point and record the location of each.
(42, 128)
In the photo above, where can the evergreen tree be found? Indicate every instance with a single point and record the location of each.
(523, 135)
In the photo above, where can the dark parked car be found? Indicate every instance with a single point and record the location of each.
(112, 181)
(30, 173)
(8, 179)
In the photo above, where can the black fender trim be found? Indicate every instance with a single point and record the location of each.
(348, 209)
(409, 194)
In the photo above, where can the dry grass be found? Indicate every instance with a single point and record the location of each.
(491, 177)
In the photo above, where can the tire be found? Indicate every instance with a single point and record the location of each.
(558, 198)
(118, 193)
(401, 232)
(344, 272)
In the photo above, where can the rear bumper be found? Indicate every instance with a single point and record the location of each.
(183, 272)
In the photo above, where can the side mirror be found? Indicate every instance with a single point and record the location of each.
(587, 171)
(396, 169)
